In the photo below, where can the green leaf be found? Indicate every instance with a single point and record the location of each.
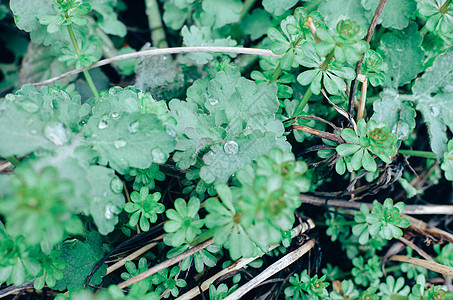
(221, 163)
(347, 149)
(223, 12)
(123, 136)
(437, 112)
(256, 23)
(396, 13)
(402, 52)
(203, 36)
(105, 203)
(437, 78)
(398, 115)
(336, 10)
(278, 8)
(27, 12)
(350, 136)
(108, 18)
(368, 162)
(81, 257)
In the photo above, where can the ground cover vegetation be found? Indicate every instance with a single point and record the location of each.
(218, 149)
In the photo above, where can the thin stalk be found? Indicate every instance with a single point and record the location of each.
(444, 8)
(248, 4)
(303, 102)
(419, 153)
(155, 24)
(14, 160)
(424, 30)
(85, 72)
(309, 93)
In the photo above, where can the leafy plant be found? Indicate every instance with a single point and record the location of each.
(383, 220)
(144, 208)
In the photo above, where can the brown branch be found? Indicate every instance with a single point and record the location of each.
(410, 209)
(417, 249)
(322, 134)
(166, 264)
(377, 15)
(152, 52)
(430, 265)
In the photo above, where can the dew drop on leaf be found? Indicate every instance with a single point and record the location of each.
(213, 101)
(119, 143)
(171, 132)
(133, 127)
(109, 211)
(158, 156)
(231, 147)
(102, 124)
(115, 115)
(116, 185)
(56, 133)
(29, 106)
(434, 110)
(34, 131)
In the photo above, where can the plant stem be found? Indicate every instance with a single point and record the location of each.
(247, 6)
(444, 8)
(424, 30)
(302, 103)
(419, 153)
(79, 53)
(163, 51)
(14, 160)
(155, 24)
(277, 73)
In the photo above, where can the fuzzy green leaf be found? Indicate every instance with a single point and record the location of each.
(396, 13)
(402, 52)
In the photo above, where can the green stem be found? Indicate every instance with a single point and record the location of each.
(247, 6)
(14, 160)
(155, 24)
(277, 73)
(419, 153)
(204, 237)
(444, 8)
(303, 102)
(79, 54)
(424, 30)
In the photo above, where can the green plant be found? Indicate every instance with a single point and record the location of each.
(303, 284)
(144, 207)
(383, 220)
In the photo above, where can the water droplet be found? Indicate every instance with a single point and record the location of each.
(104, 194)
(102, 124)
(434, 110)
(213, 101)
(164, 57)
(56, 133)
(119, 144)
(115, 115)
(33, 131)
(158, 156)
(171, 132)
(399, 50)
(109, 212)
(133, 127)
(116, 185)
(29, 106)
(231, 147)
